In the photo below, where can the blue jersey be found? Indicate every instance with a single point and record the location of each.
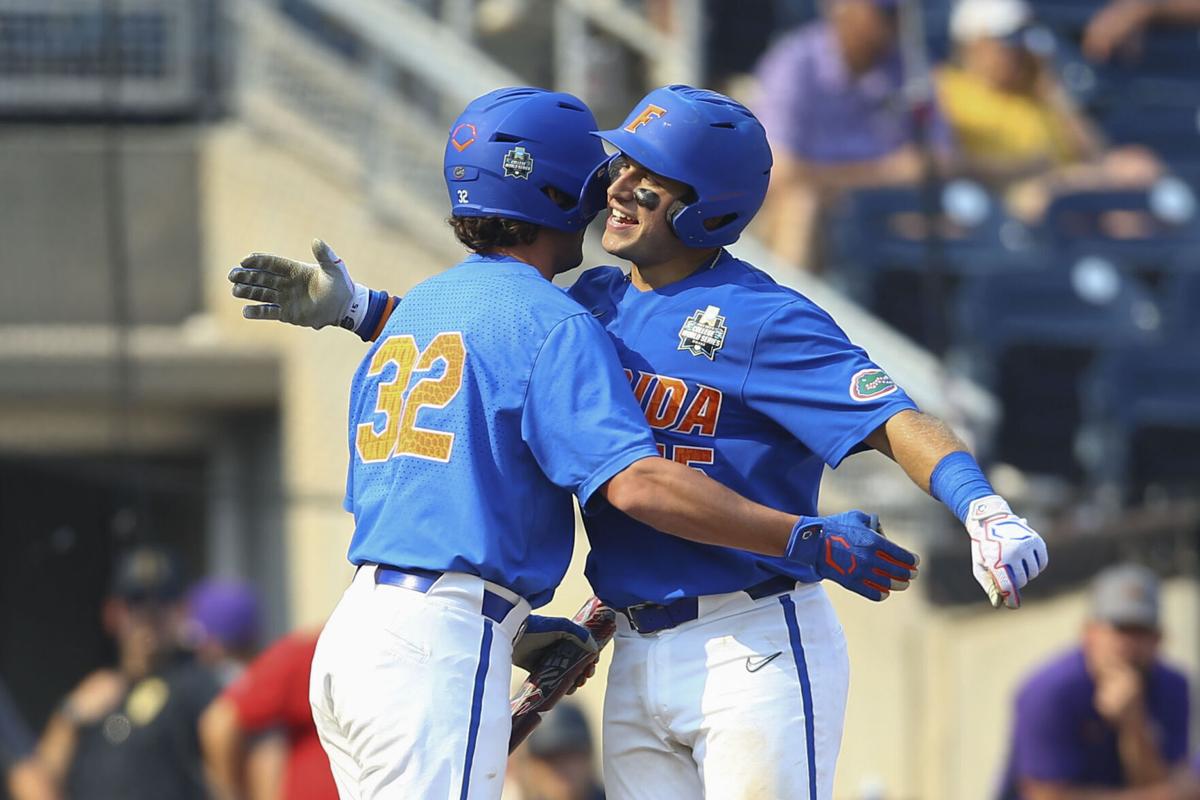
(489, 398)
(746, 380)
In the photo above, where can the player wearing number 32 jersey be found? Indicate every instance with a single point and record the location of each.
(490, 398)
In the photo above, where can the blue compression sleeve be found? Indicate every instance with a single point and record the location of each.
(957, 481)
(379, 303)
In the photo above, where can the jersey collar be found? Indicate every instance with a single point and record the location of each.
(511, 264)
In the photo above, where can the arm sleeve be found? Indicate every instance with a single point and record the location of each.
(810, 379)
(580, 419)
(260, 694)
(379, 310)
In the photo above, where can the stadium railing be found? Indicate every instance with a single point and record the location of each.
(133, 59)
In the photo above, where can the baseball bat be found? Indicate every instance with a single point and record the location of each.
(558, 671)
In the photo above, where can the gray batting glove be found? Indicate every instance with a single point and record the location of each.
(311, 295)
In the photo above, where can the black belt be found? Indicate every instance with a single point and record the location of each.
(654, 617)
(495, 607)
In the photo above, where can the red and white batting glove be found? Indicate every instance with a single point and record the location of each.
(1006, 552)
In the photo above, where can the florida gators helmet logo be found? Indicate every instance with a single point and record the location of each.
(645, 116)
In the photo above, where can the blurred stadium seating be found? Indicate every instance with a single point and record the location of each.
(1016, 300)
(238, 124)
(887, 239)
(1030, 337)
(1141, 431)
(1025, 311)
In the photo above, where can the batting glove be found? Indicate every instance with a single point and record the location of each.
(850, 549)
(311, 295)
(541, 633)
(1006, 553)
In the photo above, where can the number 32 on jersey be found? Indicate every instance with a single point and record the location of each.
(400, 435)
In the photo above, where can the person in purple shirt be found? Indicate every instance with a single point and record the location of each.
(1107, 715)
(830, 97)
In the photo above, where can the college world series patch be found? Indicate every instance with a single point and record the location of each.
(518, 163)
(703, 333)
(867, 384)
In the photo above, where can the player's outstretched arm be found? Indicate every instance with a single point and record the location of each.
(309, 295)
(1006, 553)
(846, 548)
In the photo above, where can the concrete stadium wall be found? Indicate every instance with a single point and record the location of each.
(257, 196)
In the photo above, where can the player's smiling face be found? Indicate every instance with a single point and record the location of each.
(638, 201)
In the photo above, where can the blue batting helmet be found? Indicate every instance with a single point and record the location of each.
(711, 143)
(510, 147)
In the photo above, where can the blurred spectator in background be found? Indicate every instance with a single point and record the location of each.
(557, 761)
(222, 626)
(22, 773)
(1108, 714)
(830, 98)
(1014, 122)
(130, 732)
(272, 694)
(1118, 27)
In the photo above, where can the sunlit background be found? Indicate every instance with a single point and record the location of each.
(1041, 294)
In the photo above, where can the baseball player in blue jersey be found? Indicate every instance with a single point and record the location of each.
(727, 675)
(489, 398)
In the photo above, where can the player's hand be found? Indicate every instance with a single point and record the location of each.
(584, 677)
(311, 295)
(541, 633)
(850, 549)
(95, 697)
(1006, 553)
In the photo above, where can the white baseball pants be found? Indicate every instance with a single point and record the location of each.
(748, 700)
(409, 690)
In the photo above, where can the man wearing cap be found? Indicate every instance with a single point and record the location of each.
(222, 626)
(557, 761)
(130, 731)
(1014, 121)
(831, 98)
(1108, 714)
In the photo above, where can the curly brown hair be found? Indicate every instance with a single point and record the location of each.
(485, 234)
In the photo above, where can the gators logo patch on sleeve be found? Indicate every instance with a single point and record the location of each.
(868, 384)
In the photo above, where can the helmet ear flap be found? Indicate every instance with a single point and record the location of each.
(676, 208)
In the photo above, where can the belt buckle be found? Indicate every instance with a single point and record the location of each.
(628, 611)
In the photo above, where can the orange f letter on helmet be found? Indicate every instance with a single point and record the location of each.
(650, 112)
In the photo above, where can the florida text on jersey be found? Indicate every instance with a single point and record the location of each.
(744, 379)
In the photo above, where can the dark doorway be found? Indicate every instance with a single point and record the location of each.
(62, 522)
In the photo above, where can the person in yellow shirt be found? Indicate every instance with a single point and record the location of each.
(1015, 125)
